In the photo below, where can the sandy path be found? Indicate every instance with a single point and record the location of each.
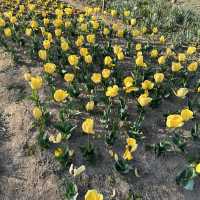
(22, 176)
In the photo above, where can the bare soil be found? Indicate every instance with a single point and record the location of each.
(27, 173)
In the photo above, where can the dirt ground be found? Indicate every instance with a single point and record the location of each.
(26, 173)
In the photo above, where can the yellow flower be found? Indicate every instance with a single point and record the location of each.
(144, 100)
(133, 22)
(93, 195)
(197, 168)
(174, 121)
(91, 38)
(7, 32)
(88, 59)
(181, 57)
(96, 78)
(176, 66)
(106, 73)
(68, 11)
(138, 46)
(113, 13)
(58, 152)
(46, 44)
(154, 53)
(46, 21)
(120, 56)
(83, 27)
(37, 113)
(181, 92)
(191, 50)
(128, 81)
(57, 22)
(95, 24)
(106, 31)
(192, 67)
(135, 33)
(112, 91)
(147, 85)
(162, 39)
(120, 33)
(58, 32)
(2, 22)
(108, 61)
(159, 77)
(36, 82)
(117, 49)
(55, 138)
(131, 144)
(198, 89)
(27, 76)
(186, 114)
(28, 32)
(84, 51)
(13, 20)
(60, 95)
(89, 106)
(69, 77)
(155, 30)
(34, 24)
(42, 54)
(79, 41)
(73, 60)
(127, 155)
(161, 60)
(140, 61)
(88, 126)
(64, 45)
(127, 13)
(49, 68)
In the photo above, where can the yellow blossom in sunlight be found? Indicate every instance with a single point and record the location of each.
(174, 121)
(49, 68)
(55, 138)
(79, 42)
(69, 77)
(34, 24)
(191, 50)
(58, 152)
(73, 60)
(37, 113)
(113, 13)
(7, 32)
(127, 13)
(88, 59)
(96, 78)
(147, 85)
(138, 46)
(155, 30)
(181, 57)
(84, 51)
(117, 49)
(28, 32)
(176, 66)
(93, 195)
(133, 22)
(88, 126)
(2, 22)
(128, 81)
(89, 106)
(197, 168)
(106, 73)
(46, 44)
(120, 56)
(135, 32)
(159, 77)
(112, 91)
(91, 38)
(127, 155)
(60, 95)
(64, 45)
(162, 39)
(106, 31)
(198, 89)
(144, 100)
(42, 54)
(108, 61)
(131, 144)
(186, 114)
(192, 67)
(36, 82)
(140, 61)
(162, 60)
(181, 92)
(154, 53)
